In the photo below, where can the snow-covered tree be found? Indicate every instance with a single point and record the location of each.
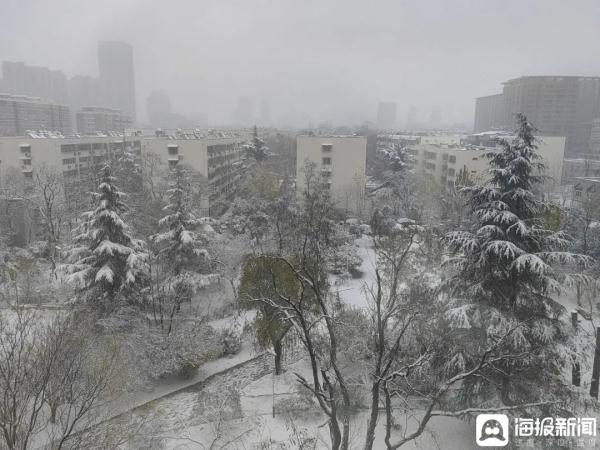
(257, 148)
(182, 242)
(506, 280)
(106, 260)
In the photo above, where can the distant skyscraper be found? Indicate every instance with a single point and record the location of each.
(115, 61)
(159, 108)
(386, 114)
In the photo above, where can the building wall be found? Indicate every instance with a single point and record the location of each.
(580, 167)
(73, 157)
(220, 160)
(115, 61)
(91, 120)
(19, 113)
(442, 164)
(489, 113)
(341, 160)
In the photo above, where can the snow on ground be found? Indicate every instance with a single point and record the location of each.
(351, 290)
(194, 423)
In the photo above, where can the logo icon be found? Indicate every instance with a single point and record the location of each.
(491, 430)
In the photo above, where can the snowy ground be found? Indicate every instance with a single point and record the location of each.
(235, 411)
(351, 290)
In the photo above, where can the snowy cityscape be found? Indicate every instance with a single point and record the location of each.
(307, 225)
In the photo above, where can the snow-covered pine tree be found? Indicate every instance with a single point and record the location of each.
(106, 261)
(182, 244)
(257, 149)
(506, 282)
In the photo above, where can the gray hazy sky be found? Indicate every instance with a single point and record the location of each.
(312, 59)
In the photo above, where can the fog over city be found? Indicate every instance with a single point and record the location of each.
(315, 60)
(299, 224)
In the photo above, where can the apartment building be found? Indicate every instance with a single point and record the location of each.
(72, 156)
(94, 119)
(556, 105)
(220, 160)
(20, 113)
(574, 168)
(586, 193)
(340, 160)
(444, 164)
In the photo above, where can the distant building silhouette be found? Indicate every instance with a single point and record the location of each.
(556, 105)
(115, 62)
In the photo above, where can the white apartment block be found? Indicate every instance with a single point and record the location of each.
(219, 160)
(442, 164)
(341, 161)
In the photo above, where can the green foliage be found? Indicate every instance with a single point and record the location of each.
(552, 218)
(265, 280)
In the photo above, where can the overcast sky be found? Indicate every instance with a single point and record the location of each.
(312, 59)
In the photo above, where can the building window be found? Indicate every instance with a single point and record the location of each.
(68, 148)
(173, 150)
(326, 161)
(68, 161)
(452, 159)
(327, 147)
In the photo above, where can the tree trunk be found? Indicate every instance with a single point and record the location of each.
(370, 435)
(278, 348)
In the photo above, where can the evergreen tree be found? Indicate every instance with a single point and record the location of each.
(257, 148)
(506, 281)
(106, 260)
(181, 243)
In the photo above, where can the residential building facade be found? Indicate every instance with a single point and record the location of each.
(445, 164)
(340, 160)
(94, 119)
(20, 113)
(556, 105)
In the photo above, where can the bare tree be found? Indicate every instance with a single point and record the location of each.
(54, 377)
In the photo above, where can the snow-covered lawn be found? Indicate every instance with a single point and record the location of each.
(351, 290)
(194, 423)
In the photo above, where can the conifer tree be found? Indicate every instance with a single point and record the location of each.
(257, 148)
(106, 260)
(182, 245)
(507, 279)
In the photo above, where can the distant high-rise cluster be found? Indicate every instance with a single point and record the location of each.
(39, 98)
(557, 105)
